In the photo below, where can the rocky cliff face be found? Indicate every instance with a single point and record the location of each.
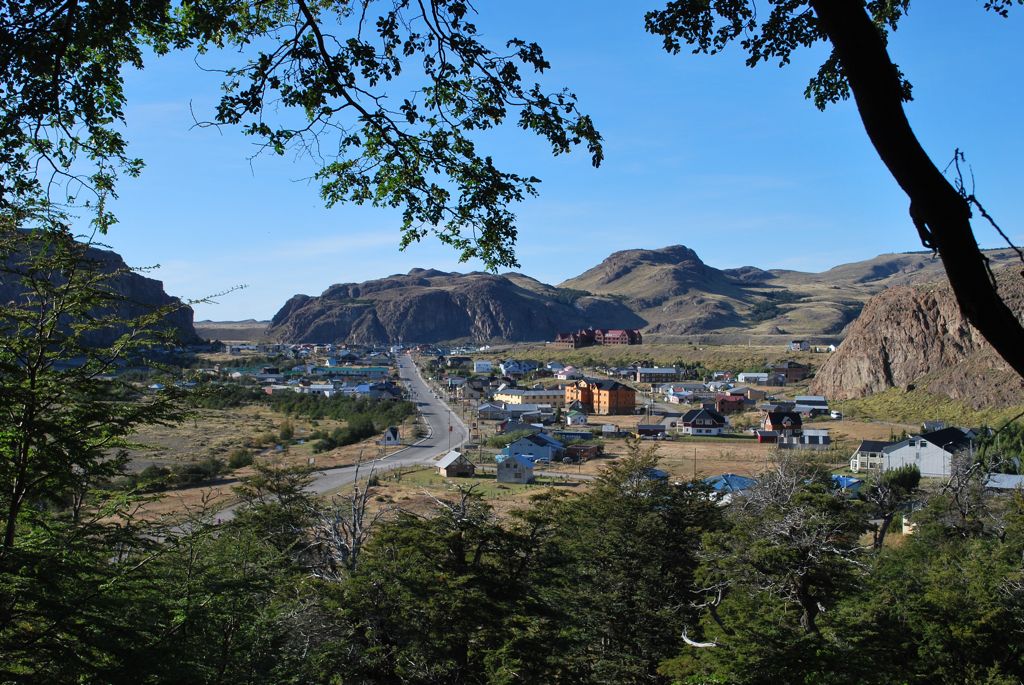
(916, 336)
(430, 306)
(133, 295)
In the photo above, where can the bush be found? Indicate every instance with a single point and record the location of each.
(286, 431)
(197, 472)
(264, 439)
(239, 458)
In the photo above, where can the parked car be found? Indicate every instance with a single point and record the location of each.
(836, 415)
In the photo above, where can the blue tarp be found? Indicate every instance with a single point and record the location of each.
(730, 482)
(846, 482)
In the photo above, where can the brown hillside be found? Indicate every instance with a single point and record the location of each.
(916, 336)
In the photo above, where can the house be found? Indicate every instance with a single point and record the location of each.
(455, 465)
(767, 437)
(575, 339)
(472, 389)
(567, 435)
(760, 377)
(617, 336)
(868, 456)
(747, 393)
(454, 361)
(491, 412)
(524, 412)
(575, 418)
(702, 422)
(513, 396)
(515, 469)
(610, 430)
(482, 366)
(539, 446)
(554, 367)
(787, 423)
(391, 436)
(791, 371)
(799, 346)
(510, 426)
(583, 452)
(931, 452)
(569, 373)
(602, 396)
(808, 439)
(811, 405)
(682, 387)
(730, 403)
(656, 374)
(650, 430)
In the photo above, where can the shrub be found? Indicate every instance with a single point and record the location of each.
(239, 457)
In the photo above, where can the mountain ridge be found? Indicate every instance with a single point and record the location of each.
(665, 292)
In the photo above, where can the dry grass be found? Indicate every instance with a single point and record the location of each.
(215, 433)
(915, 406)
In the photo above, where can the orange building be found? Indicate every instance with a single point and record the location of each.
(602, 397)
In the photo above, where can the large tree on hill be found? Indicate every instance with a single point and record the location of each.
(313, 76)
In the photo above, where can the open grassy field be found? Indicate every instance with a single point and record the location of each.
(915, 406)
(215, 433)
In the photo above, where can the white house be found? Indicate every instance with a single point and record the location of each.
(931, 452)
(868, 456)
(575, 418)
(753, 377)
(482, 366)
(809, 439)
(391, 436)
(568, 373)
(702, 422)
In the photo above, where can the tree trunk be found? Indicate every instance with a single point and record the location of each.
(809, 607)
(941, 214)
(883, 530)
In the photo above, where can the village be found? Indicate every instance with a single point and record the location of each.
(533, 422)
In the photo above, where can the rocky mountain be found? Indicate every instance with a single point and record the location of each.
(669, 292)
(133, 295)
(915, 336)
(678, 294)
(429, 305)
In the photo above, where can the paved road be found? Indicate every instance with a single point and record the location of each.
(438, 417)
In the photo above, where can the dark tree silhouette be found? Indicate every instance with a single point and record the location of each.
(860, 64)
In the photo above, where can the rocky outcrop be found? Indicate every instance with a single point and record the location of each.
(668, 292)
(431, 306)
(916, 336)
(128, 295)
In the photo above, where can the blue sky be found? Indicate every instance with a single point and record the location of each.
(703, 151)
